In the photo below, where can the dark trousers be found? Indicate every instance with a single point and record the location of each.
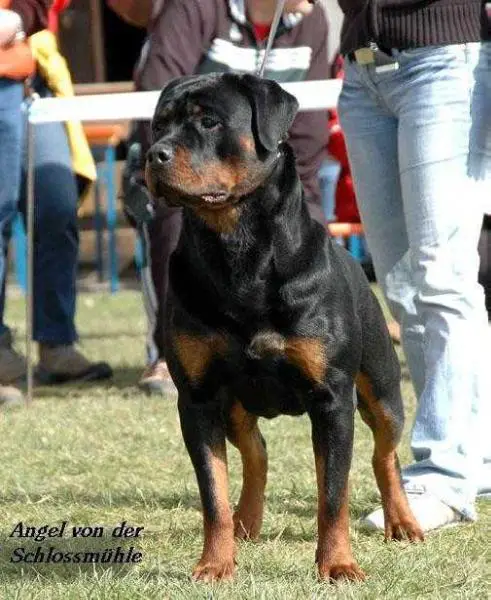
(55, 221)
(163, 231)
(485, 262)
(55, 232)
(55, 236)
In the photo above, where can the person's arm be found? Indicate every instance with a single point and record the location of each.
(177, 42)
(308, 135)
(134, 12)
(34, 13)
(178, 39)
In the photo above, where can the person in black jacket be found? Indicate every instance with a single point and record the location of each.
(409, 123)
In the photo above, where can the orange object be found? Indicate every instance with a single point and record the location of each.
(16, 61)
(344, 230)
(104, 134)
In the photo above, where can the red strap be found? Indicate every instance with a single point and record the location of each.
(57, 7)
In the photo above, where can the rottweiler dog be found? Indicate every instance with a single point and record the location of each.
(266, 316)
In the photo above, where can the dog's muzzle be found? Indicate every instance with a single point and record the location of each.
(159, 155)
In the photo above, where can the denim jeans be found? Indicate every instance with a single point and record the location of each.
(329, 172)
(480, 142)
(408, 137)
(10, 162)
(55, 224)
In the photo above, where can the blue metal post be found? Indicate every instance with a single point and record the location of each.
(112, 216)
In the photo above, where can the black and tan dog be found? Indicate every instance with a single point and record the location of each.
(267, 316)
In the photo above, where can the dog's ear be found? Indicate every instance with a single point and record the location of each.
(273, 110)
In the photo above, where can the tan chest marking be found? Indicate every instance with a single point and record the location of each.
(195, 353)
(307, 354)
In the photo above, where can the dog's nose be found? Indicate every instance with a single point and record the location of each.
(159, 154)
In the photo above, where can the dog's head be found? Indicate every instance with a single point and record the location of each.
(215, 138)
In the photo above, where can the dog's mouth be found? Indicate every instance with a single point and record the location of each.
(174, 193)
(214, 199)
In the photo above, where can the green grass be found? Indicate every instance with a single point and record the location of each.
(104, 454)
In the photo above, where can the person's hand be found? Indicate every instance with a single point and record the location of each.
(10, 27)
(299, 6)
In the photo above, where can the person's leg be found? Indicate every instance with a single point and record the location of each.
(55, 236)
(444, 216)
(371, 132)
(164, 233)
(162, 236)
(149, 296)
(444, 320)
(480, 142)
(480, 169)
(55, 260)
(11, 365)
(10, 160)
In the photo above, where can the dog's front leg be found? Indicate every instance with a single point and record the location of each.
(332, 436)
(204, 435)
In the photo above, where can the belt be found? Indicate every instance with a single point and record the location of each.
(366, 56)
(381, 59)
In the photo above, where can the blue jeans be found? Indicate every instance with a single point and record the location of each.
(11, 93)
(480, 143)
(408, 137)
(329, 172)
(55, 226)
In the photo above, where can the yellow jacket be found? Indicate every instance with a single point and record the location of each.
(53, 67)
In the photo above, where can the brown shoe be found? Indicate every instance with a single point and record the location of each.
(63, 363)
(156, 379)
(12, 365)
(10, 396)
(394, 331)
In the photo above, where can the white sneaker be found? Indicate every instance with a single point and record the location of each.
(430, 513)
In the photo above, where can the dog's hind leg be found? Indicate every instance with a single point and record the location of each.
(332, 436)
(380, 406)
(377, 411)
(243, 432)
(203, 430)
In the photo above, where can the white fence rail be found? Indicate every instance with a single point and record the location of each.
(312, 95)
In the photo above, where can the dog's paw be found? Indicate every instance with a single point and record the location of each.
(247, 526)
(404, 530)
(214, 570)
(349, 571)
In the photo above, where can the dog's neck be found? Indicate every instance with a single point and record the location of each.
(267, 245)
(276, 207)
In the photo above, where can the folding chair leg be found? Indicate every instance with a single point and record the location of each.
(356, 247)
(99, 225)
(111, 216)
(20, 251)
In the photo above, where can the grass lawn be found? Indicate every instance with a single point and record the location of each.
(100, 455)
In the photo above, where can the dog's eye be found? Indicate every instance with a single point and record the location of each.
(159, 124)
(209, 122)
